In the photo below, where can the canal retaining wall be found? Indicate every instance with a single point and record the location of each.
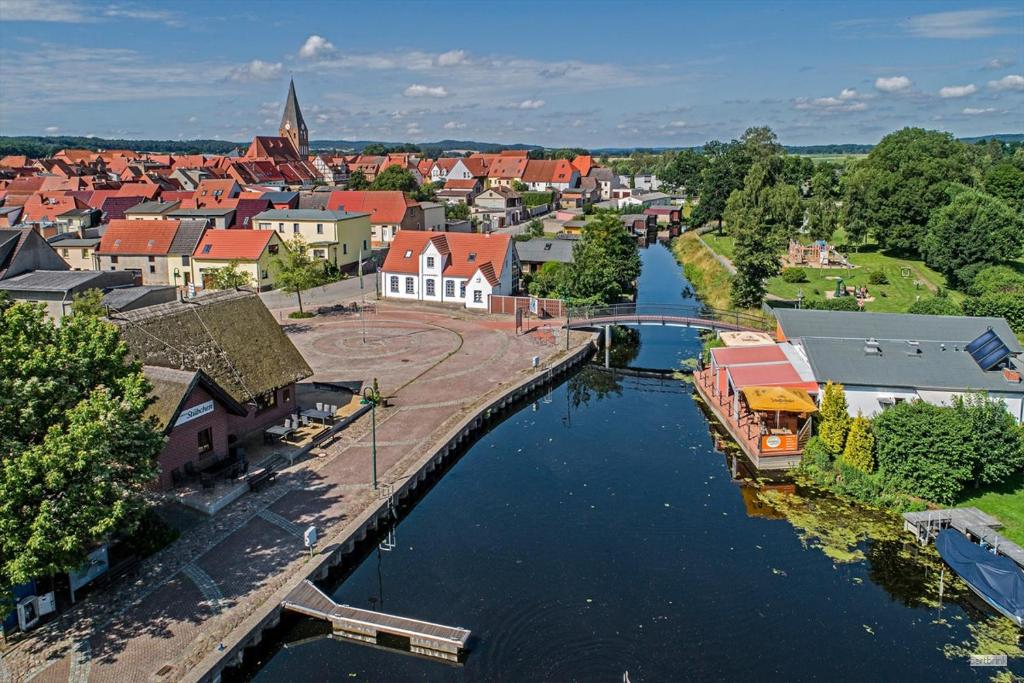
(380, 514)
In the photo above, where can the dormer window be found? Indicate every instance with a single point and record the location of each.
(472, 257)
(408, 253)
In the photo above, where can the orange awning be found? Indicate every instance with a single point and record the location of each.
(786, 399)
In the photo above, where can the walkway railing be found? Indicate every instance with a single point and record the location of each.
(695, 315)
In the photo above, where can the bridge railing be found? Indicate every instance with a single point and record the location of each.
(581, 314)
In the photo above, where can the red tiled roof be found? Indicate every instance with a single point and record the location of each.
(384, 207)
(224, 188)
(48, 206)
(507, 167)
(548, 171)
(583, 163)
(138, 237)
(225, 245)
(768, 375)
(460, 184)
(147, 190)
(246, 209)
(275, 147)
(477, 166)
(489, 253)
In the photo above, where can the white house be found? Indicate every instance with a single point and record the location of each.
(448, 168)
(457, 268)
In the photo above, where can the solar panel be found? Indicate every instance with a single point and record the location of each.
(988, 350)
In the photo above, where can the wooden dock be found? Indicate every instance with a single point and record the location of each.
(366, 626)
(971, 522)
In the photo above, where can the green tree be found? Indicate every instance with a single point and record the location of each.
(894, 190)
(859, 451)
(551, 280)
(684, 171)
(935, 305)
(761, 217)
(822, 216)
(227, 277)
(535, 228)
(76, 452)
(975, 229)
(297, 270)
(834, 418)
(395, 178)
(89, 302)
(992, 436)
(357, 181)
(921, 451)
(726, 167)
(375, 149)
(606, 261)
(520, 186)
(457, 212)
(1006, 181)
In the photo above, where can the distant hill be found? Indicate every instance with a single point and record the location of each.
(41, 146)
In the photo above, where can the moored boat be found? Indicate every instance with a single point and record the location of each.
(995, 579)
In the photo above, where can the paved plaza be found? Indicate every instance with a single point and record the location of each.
(434, 365)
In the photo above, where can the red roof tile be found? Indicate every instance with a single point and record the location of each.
(548, 171)
(138, 238)
(488, 252)
(384, 207)
(225, 245)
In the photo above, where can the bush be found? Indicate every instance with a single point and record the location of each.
(1000, 305)
(794, 275)
(843, 303)
(817, 456)
(921, 450)
(878, 277)
(296, 315)
(937, 305)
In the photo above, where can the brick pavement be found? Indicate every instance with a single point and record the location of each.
(158, 623)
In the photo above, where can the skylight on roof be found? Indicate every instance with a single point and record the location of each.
(471, 257)
(206, 248)
(117, 243)
(150, 243)
(408, 253)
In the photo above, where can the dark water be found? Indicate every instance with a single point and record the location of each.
(599, 531)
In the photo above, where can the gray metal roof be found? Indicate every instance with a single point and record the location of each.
(75, 242)
(804, 323)
(65, 280)
(124, 298)
(279, 196)
(208, 211)
(542, 250)
(154, 207)
(305, 215)
(928, 365)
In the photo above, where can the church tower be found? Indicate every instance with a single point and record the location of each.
(292, 125)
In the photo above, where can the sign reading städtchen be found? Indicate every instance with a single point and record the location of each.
(194, 412)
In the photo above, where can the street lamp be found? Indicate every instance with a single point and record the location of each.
(371, 397)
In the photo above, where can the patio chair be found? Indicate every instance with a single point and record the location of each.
(320, 406)
(288, 423)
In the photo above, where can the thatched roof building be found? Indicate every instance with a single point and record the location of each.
(229, 335)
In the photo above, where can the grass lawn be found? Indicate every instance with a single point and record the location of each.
(1006, 502)
(895, 297)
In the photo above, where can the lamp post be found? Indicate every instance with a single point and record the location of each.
(371, 397)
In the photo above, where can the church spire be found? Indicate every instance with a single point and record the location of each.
(293, 126)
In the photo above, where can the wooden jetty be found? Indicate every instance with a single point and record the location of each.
(971, 522)
(366, 626)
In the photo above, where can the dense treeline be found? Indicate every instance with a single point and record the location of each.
(40, 147)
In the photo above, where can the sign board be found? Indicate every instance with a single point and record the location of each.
(191, 290)
(534, 305)
(97, 564)
(309, 537)
(194, 412)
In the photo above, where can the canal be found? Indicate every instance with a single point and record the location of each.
(600, 530)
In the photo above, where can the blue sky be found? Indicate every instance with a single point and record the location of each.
(562, 73)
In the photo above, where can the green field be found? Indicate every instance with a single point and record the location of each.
(895, 297)
(1006, 502)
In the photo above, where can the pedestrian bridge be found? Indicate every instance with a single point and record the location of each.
(671, 315)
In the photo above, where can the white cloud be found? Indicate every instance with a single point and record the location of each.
(52, 130)
(972, 111)
(847, 100)
(257, 70)
(677, 124)
(75, 12)
(529, 104)
(999, 63)
(454, 125)
(193, 119)
(452, 58)
(1011, 82)
(316, 47)
(893, 83)
(418, 90)
(958, 90)
(966, 24)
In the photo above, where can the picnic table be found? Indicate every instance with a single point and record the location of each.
(315, 414)
(279, 431)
